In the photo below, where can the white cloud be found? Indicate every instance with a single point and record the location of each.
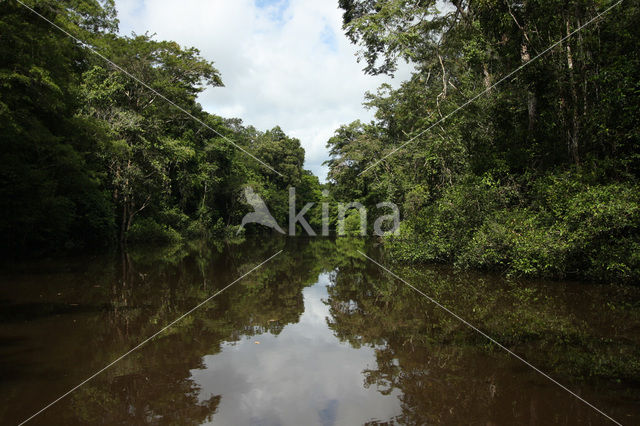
(285, 63)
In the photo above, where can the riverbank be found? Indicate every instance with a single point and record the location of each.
(561, 226)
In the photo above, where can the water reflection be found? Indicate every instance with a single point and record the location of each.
(302, 376)
(340, 342)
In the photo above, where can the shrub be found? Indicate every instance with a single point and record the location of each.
(441, 230)
(352, 224)
(147, 230)
(517, 242)
(568, 227)
(588, 231)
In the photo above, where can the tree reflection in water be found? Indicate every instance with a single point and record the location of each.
(62, 321)
(585, 335)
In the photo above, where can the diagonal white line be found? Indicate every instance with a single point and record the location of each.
(492, 340)
(146, 340)
(487, 90)
(127, 73)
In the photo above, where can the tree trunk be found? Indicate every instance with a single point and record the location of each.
(123, 224)
(575, 125)
(487, 77)
(532, 101)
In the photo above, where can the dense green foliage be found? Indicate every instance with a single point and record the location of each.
(90, 156)
(534, 174)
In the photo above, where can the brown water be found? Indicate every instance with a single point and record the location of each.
(319, 335)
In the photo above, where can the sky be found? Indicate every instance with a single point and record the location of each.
(283, 62)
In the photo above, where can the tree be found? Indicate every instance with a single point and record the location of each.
(50, 187)
(465, 148)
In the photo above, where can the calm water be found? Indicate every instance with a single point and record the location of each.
(318, 336)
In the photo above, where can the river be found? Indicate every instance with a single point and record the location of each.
(318, 335)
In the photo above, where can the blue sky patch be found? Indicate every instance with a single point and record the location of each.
(274, 8)
(328, 38)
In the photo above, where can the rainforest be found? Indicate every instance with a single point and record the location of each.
(470, 254)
